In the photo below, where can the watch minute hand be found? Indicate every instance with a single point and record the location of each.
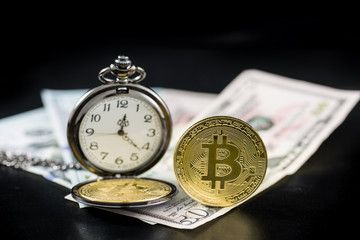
(126, 138)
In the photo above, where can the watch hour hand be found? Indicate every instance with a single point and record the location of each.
(122, 123)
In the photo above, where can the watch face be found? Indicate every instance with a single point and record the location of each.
(120, 133)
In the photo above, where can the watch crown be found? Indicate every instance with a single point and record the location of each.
(123, 62)
(123, 70)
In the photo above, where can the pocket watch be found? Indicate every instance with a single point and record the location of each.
(119, 130)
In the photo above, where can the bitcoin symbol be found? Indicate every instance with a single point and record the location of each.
(220, 161)
(222, 164)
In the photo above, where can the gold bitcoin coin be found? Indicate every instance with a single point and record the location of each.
(118, 192)
(220, 161)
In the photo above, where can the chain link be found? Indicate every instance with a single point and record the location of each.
(22, 161)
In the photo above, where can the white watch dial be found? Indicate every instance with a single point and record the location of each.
(120, 133)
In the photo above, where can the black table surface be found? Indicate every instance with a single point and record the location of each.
(319, 200)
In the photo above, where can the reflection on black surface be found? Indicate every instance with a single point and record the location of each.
(234, 225)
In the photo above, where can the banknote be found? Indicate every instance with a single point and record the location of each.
(32, 133)
(293, 118)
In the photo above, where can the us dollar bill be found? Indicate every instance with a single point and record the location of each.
(31, 133)
(293, 118)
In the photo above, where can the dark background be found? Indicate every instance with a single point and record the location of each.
(62, 52)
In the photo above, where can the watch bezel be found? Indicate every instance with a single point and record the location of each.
(92, 97)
